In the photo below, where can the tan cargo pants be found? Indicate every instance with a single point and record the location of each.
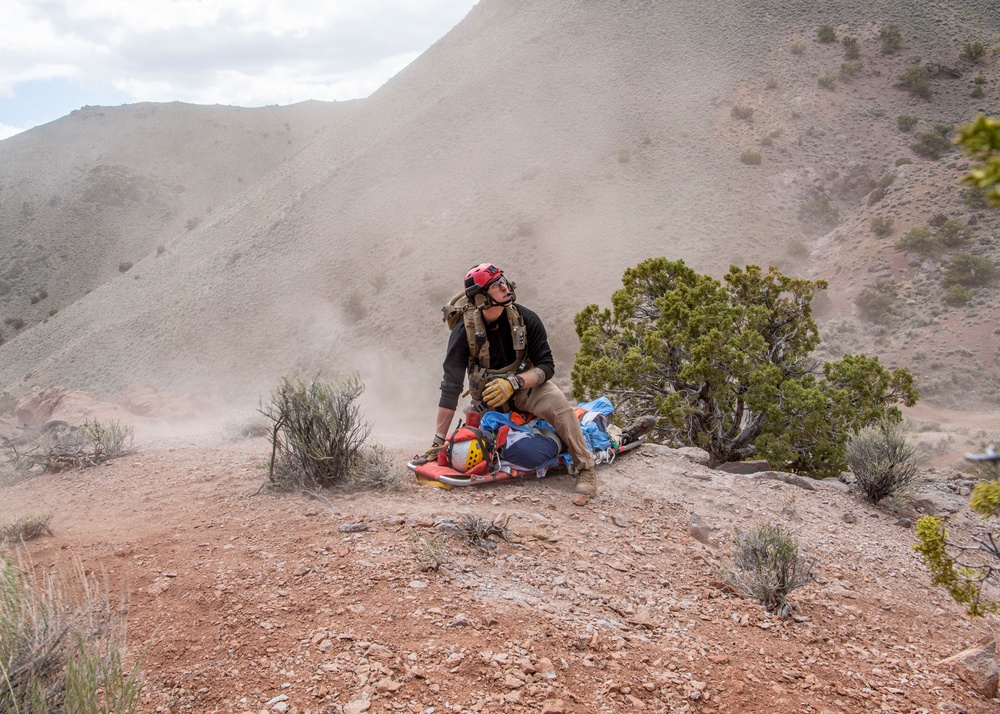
(548, 402)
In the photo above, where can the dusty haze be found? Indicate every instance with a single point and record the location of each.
(565, 141)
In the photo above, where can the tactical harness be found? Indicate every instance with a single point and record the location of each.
(480, 374)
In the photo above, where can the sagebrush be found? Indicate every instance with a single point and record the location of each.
(881, 460)
(766, 565)
(61, 646)
(319, 438)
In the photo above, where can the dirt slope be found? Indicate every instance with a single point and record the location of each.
(247, 602)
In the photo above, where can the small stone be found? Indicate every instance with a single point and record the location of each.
(849, 518)
(277, 699)
(388, 685)
(354, 528)
(358, 706)
(460, 620)
(512, 682)
(697, 529)
(545, 668)
(619, 520)
(417, 584)
(580, 499)
(554, 706)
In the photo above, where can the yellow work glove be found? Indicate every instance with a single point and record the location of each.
(499, 391)
(436, 446)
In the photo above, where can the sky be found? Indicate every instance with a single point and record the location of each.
(60, 55)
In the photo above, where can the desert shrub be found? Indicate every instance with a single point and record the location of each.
(751, 158)
(874, 305)
(161, 249)
(903, 161)
(917, 81)
(828, 82)
(767, 566)
(25, 528)
(741, 112)
(246, 426)
(906, 122)
(852, 50)
(771, 83)
(981, 141)
(820, 211)
(429, 551)
(969, 270)
(957, 296)
(973, 197)
(192, 223)
(881, 460)
(16, 322)
(797, 48)
(952, 233)
(319, 438)
(931, 145)
(882, 226)
(7, 404)
(53, 312)
(826, 34)
(61, 646)
(797, 248)
(125, 266)
(624, 156)
(63, 446)
(890, 39)
(886, 181)
(976, 93)
(850, 70)
(972, 51)
(918, 240)
(726, 366)
(354, 307)
(477, 531)
(979, 80)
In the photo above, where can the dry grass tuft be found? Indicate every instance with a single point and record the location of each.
(25, 528)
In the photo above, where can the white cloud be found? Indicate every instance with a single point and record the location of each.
(7, 131)
(243, 52)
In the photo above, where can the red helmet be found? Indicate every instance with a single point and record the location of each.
(478, 281)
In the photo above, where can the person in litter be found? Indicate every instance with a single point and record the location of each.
(505, 351)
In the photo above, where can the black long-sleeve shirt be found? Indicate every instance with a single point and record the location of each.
(502, 353)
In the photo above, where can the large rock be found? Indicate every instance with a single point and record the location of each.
(744, 467)
(977, 667)
(693, 453)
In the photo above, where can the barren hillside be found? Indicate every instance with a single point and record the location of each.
(564, 140)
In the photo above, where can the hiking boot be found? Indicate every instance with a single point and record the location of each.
(586, 482)
(638, 429)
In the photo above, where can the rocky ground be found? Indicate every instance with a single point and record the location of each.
(247, 601)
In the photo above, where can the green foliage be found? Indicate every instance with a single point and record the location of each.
(882, 226)
(125, 266)
(981, 141)
(828, 82)
(957, 296)
(980, 80)
(797, 48)
(962, 581)
(919, 240)
(807, 431)
(61, 647)
(972, 51)
(890, 39)
(766, 565)
(953, 233)
(969, 270)
(881, 460)
(906, 122)
(826, 34)
(976, 93)
(875, 305)
(986, 498)
(741, 112)
(931, 145)
(852, 50)
(849, 70)
(903, 161)
(16, 322)
(886, 181)
(917, 81)
(319, 439)
(751, 158)
(725, 366)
